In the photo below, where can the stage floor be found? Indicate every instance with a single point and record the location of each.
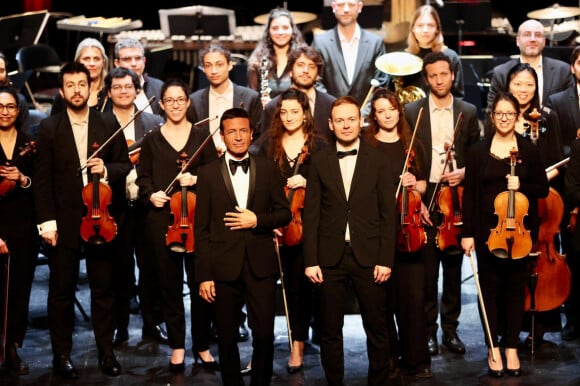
(556, 362)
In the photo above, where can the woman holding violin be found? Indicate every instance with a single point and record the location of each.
(18, 236)
(487, 176)
(290, 141)
(162, 154)
(389, 132)
(541, 126)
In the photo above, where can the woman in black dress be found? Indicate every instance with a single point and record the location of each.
(159, 164)
(487, 173)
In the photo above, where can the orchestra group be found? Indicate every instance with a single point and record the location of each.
(318, 172)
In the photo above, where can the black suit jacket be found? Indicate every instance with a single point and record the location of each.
(565, 104)
(334, 76)
(369, 210)
(322, 106)
(572, 183)
(557, 77)
(58, 185)
(468, 134)
(219, 251)
(244, 98)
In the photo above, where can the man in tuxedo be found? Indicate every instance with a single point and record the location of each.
(240, 201)
(350, 53)
(65, 141)
(553, 74)
(436, 128)
(122, 86)
(221, 94)
(567, 106)
(349, 236)
(306, 64)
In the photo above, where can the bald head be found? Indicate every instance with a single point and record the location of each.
(530, 39)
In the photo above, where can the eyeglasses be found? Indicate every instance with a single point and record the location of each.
(119, 87)
(180, 101)
(128, 59)
(11, 107)
(500, 115)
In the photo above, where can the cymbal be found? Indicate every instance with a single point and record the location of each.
(298, 17)
(554, 12)
(399, 63)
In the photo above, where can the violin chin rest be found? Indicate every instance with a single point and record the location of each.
(501, 253)
(97, 240)
(177, 247)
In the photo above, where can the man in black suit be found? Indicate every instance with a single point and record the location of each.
(306, 64)
(566, 104)
(349, 235)
(65, 141)
(122, 86)
(553, 74)
(237, 210)
(221, 94)
(440, 114)
(349, 53)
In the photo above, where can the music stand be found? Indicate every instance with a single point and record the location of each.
(197, 20)
(21, 30)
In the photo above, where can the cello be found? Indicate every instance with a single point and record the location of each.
(97, 226)
(291, 234)
(510, 239)
(449, 200)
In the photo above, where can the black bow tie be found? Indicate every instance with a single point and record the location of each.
(342, 154)
(245, 164)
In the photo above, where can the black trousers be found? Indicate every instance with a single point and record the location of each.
(372, 299)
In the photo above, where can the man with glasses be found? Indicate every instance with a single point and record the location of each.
(306, 64)
(436, 129)
(130, 53)
(553, 74)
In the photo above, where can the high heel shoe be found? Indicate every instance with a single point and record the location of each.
(295, 369)
(177, 367)
(513, 355)
(210, 365)
(497, 373)
(514, 372)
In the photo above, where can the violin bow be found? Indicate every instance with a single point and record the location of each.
(419, 117)
(197, 152)
(119, 130)
(456, 130)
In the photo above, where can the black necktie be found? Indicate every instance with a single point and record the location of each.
(245, 164)
(342, 154)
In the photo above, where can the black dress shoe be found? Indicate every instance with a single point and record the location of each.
(211, 365)
(246, 371)
(433, 345)
(569, 332)
(110, 366)
(13, 362)
(295, 369)
(157, 333)
(513, 372)
(423, 373)
(120, 336)
(63, 366)
(243, 332)
(454, 344)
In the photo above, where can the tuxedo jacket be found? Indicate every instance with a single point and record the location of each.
(58, 185)
(244, 98)
(334, 76)
(322, 106)
(468, 133)
(369, 210)
(557, 77)
(219, 251)
(565, 103)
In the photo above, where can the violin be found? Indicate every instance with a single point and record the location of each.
(510, 239)
(291, 234)
(449, 200)
(134, 148)
(97, 226)
(534, 125)
(6, 185)
(411, 235)
(179, 237)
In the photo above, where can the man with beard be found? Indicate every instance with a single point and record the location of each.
(553, 74)
(65, 142)
(435, 130)
(306, 64)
